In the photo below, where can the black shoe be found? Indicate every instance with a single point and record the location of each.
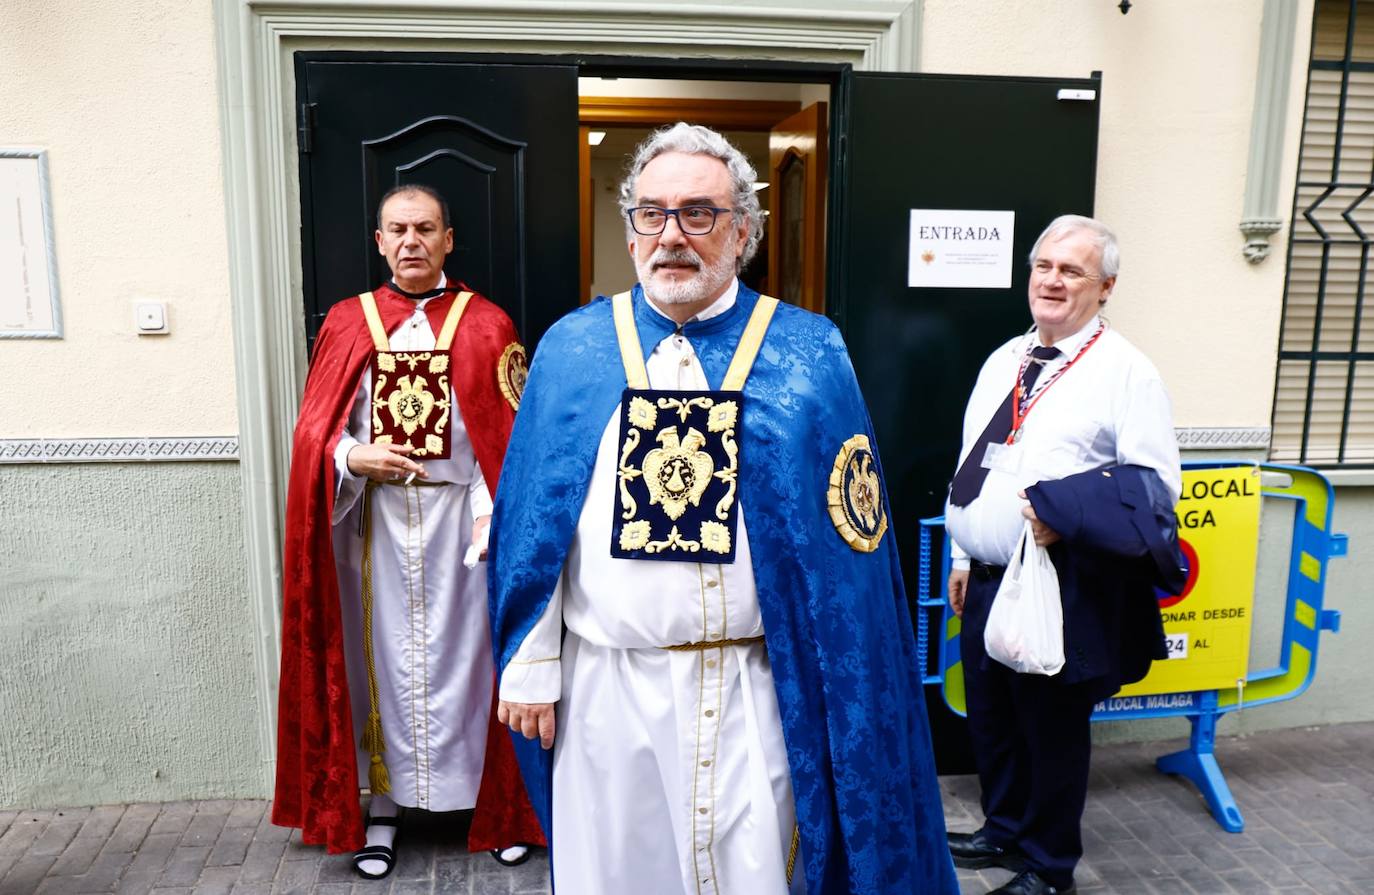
(974, 852)
(1028, 882)
(512, 862)
(376, 852)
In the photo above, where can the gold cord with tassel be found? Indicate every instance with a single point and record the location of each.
(792, 852)
(377, 778)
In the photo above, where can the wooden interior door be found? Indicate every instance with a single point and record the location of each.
(798, 179)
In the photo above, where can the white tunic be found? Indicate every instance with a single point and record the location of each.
(431, 634)
(670, 773)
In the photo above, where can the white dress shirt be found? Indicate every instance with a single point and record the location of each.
(1110, 408)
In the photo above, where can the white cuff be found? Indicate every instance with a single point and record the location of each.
(348, 486)
(536, 681)
(480, 499)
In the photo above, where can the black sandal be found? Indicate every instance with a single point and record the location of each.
(383, 853)
(496, 853)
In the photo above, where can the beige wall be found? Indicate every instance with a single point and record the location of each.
(125, 106)
(1177, 97)
(123, 98)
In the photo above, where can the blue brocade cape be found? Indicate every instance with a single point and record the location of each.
(838, 631)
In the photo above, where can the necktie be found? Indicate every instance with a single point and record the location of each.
(968, 481)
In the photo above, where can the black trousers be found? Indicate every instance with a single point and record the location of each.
(1031, 744)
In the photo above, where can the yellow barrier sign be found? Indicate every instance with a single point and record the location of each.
(1208, 624)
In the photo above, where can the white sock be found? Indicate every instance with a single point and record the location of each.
(379, 834)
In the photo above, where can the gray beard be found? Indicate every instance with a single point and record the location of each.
(707, 281)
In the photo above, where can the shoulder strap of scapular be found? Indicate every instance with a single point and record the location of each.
(374, 322)
(455, 313)
(749, 344)
(382, 343)
(631, 354)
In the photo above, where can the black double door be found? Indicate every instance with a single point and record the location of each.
(501, 141)
(498, 141)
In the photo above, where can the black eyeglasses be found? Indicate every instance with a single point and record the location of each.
(694, 220)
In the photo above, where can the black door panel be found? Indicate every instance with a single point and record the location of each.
(498, 141)
(941, 142)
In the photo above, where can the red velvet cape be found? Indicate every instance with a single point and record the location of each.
(317, 772)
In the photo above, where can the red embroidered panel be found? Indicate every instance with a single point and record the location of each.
(410, 402)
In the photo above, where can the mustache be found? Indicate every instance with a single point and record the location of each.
(675, 256)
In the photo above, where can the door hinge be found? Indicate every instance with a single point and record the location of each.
(306, 129)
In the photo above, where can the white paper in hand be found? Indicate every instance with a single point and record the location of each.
(1025, 629)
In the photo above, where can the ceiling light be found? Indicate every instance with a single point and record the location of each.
(595, 137)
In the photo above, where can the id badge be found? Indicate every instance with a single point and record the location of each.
(1003, 457)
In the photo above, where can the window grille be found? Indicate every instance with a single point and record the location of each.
(1324, 393)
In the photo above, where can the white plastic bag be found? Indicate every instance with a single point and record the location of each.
(1025, 629)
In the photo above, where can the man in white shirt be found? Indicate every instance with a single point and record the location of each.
(735, 706)
(1071, 396)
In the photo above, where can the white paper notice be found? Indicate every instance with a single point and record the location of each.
(960, 249)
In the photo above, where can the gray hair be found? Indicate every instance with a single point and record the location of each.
(693, 139)
(411, 189)
(1102, 236)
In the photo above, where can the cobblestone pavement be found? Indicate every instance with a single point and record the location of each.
(1307, 796)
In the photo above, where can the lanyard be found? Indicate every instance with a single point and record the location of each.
(1018, 416)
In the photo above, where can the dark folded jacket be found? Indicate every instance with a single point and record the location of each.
(1119, 542)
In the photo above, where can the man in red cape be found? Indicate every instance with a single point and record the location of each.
(317, 783)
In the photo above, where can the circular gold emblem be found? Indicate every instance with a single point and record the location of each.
(511, 372)
(855, 496)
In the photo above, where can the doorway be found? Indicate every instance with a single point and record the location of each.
(781, 127)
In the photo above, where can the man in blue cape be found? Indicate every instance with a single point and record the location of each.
(733, 708)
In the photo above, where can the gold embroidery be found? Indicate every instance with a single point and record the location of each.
(634, 535)
(854, 498)
(642, 414)
(722, 416)
(683, 408)
(730, 474)
(512, 371)
(378, 403)
(444, 405)
(678, 472)
(675, 540)
(386, 362)
(410, 403)
(715, 537)
(625, 474)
